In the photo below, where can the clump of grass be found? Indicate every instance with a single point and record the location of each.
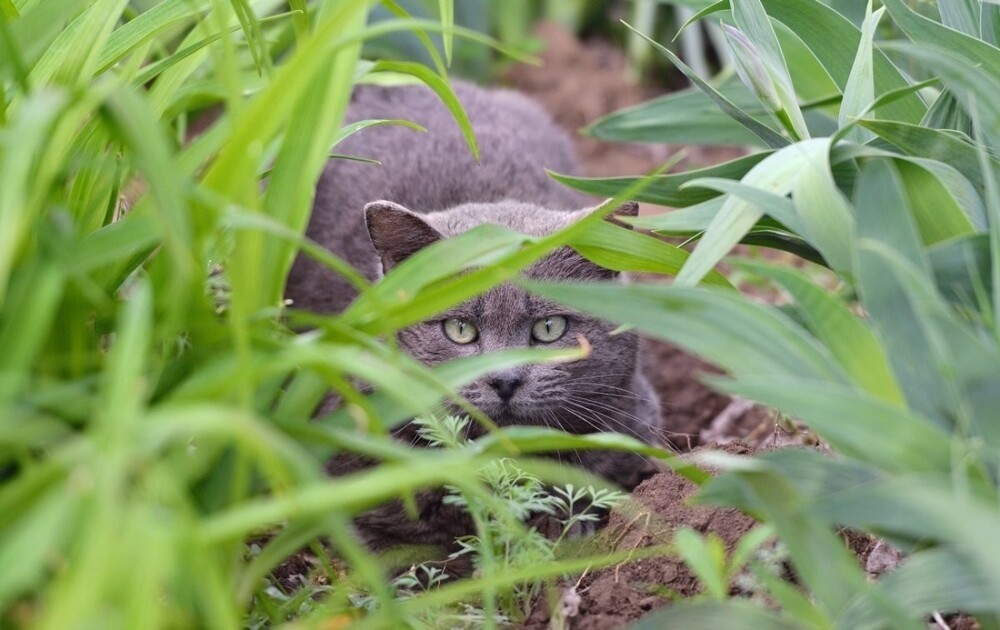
(505, 505)
(505, 535)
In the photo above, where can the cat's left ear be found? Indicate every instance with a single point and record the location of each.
(627, 209)
(397, 233)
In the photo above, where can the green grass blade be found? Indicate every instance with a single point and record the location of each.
(928, 508)
(687, 116)
(947, 113)
(835, 580)
(779, 208)
(859, 92)
(145, 27)
(665, 190)
(880, 187)
(945, 204)
(768, 136)
(42, 531)
(85, 37)
(297, 167)
(446, 10)
(924, 31)
(34, 295)
(133, 123)
(825, 215)
(834, 40)
(440, 87)
(706, 558)
(929, 580)
(956, 150)
(963, 272)
(775, 174)
(253, 34)
(765, 341)
(33, 33)
(991, 184)
(969, 79)
(961, 15)
(692, 219)
(848, 338)
(21, 144)
(625, 250)
(432, 50)
(753, 21)
(794, 603)
(824, 407)
(945, 389)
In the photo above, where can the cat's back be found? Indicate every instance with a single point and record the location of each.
(436, 170)
(428, 171)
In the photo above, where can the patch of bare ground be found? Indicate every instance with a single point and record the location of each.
(615, 596)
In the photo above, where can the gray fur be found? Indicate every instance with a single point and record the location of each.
(427, 172)
(428, 188)
(595, 394)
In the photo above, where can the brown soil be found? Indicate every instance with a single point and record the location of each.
(578, 82)
(614, 596)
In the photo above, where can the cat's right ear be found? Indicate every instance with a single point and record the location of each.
(626, 209)
(397, 233)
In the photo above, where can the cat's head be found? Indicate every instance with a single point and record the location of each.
(507, 316)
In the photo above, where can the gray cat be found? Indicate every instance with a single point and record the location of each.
(429, 187)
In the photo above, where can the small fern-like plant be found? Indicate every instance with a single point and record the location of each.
(515, 497)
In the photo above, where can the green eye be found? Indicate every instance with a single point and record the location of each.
(548, 329)
(459, 331)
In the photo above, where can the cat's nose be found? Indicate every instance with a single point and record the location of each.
(505, 386)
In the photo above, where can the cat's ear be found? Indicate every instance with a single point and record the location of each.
(588, 270)
(397, 233)
(627, 209)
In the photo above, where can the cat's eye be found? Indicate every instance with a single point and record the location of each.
(459, 330)
(549, 329)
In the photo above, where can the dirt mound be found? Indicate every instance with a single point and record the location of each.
(614, 596)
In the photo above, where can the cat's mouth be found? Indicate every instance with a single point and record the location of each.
(524, 407)
(514, 412)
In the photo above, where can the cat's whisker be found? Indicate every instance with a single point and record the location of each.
(617, 396)
(605, 418)
(600, 424)
(613, 410)
(595, 423)
(576, 452)
(601, 404)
